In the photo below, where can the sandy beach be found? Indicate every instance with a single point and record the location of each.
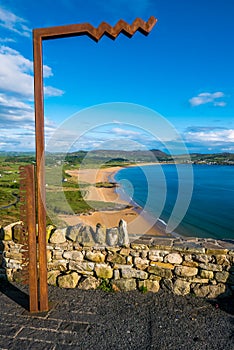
(138, 222)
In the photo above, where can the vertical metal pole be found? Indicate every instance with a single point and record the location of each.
(32, 243)
(40, 169)
(28, 234)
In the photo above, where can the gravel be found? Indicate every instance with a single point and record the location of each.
(131, 320)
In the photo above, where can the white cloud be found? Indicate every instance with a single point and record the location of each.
(207, 97)
(125, 132)
(12, 102)
(220, 104)
(228, 149)
(17, 120)
(7, 40)
(51, 91)
(211, 136)
(10, 21)
(18, 131)
(16, 74)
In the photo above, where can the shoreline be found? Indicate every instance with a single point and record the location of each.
(138, 221)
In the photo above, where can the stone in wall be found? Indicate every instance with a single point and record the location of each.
(58, 254)
(116, 274)
(181, 287)
(155, 255)
(103, 271)
(116, 258)
(173, 258)
(58, 236)
(139, 246)
(112, 236)
(218, 290)
(97, 257)
(89, 283)
(68, 281)
(72, 233)
(123, 233)
(190, 263)
(100, 235)
(86, 235)
(6, 232)
(52, 277)
(17, 233)
(49, 255)
(164, 271)
(73, 255)
(60, 265)
(150, 285)
(125, 251)
(49, 230)
(15, 255)
(83, 267)
(222, 276)
(203, 258)
(129, 272)
(207, 274)
(185, 271)
(222, 260)
(141, 261)
(141, 264)
(72, 264)
(210, 291)
(167, 284)
(211, 267)
(124, 285)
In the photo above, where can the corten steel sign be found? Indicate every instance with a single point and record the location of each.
(53, 33)
(28, 233)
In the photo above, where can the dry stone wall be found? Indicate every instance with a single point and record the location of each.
(78, 257)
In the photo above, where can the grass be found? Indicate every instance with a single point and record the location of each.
(143, 289)
(9, 188)
(62, 197)
(73, 203)
(105, 285)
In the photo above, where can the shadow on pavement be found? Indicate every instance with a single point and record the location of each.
(224, 304)
(6, 287)
(15, 294)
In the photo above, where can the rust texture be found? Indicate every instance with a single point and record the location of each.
(97, 33)
(28, 236)
(40, 172)
(39, 35)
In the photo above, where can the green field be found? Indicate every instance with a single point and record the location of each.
(9, 190)
(61, 197)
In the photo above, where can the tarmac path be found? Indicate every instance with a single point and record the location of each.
(89, 320)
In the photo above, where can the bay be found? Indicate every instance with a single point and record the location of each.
(210, 211)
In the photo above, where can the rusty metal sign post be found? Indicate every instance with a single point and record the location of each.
(28, 234)
(38, 36)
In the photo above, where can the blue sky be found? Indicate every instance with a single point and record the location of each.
(183, 70)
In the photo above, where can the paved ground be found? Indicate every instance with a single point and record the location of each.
(99, 320)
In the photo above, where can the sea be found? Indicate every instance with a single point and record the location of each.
(187, 199)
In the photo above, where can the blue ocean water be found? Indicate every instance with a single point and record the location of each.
(210, 211)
